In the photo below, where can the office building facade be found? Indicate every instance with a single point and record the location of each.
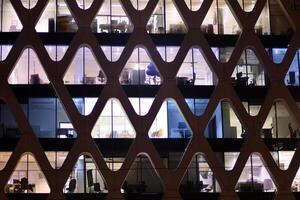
(139, 99)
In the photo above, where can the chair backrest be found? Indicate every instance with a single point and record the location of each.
(97, 187)
(293, 133)
(35, 79)
(151, 70)
(114, 22)
(72, 185)
(292, 77)
(24, 183)
(16, 181)
(268, 184)
(290, 128)
(89, 174)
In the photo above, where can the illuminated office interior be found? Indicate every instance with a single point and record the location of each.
(149, 126)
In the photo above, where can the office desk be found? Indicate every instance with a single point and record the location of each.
(16, 188)
(119, 27)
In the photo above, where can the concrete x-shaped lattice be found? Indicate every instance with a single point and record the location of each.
(194, 38)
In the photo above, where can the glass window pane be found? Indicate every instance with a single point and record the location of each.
(174, 22)
(19, 75)
(65, 20)
(41, 113)
(11, 22)
(292, 77)
(227, 23)
(47, 20)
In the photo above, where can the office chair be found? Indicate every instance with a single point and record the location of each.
(72, 186)
(24, 184)
(97, 187)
